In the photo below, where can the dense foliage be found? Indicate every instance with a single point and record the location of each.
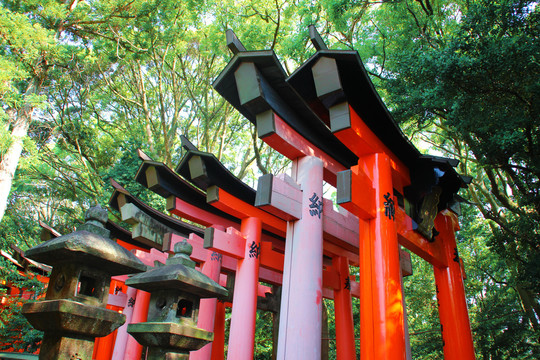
(84, 84)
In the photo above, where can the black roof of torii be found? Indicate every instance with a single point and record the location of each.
(286, 102)
(296, 97)
(355, 87)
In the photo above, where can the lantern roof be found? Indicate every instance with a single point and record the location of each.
(178, 273)
(89, 245)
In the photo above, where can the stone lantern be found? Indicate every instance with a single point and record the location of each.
(74, 311)
(176, 288)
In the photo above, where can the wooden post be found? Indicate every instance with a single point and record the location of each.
(122, 335)
(104, 346)
(140, 313)
(242, 333)
(218, 345)
(345, 346)
(381, 295)
(133, 350)
(455, 326)
(301, 302)
(408, 353)
(207, 307)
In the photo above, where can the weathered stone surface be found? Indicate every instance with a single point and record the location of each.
(95, 219)
(144, 228)
(170, 335)
(174, 306)
(176, 290)
(88, 248)
(80, 283)
(179, 273)
(63, 316)
(59, 347)
(74, 312)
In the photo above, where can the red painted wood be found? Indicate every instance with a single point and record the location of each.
(331, 250)
(331, 278)
(262, 290)
(229, 264)
(242, 332)
(230, 243)
(190, 212)
(362, 141)
(453, 313)
(270, 258)
(207, 307)
(363, 201)
(381, 305)
(412, 240)
(238, 208)
(140, 313)
(285, 200)
(345, 343)
(205, 218)
(218, 348)
(340, 228)
(293, 145)
(302, 294)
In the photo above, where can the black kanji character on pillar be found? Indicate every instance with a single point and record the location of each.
(254, 250)
(389, 208)
(347, 283)
(131, 302)
(117, 289)
(456, 255)
(216, 256)
(316, 206)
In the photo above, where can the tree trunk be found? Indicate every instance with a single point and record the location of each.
(10, 161)
(527, 301)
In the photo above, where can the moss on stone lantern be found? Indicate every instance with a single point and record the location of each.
(176, 288)
(74, 311)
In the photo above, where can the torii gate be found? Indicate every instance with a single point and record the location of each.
(208, 174)
(163, 231)
(375, 168)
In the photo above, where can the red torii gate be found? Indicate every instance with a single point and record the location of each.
(202, 166)
(372, 173)
(371, 181)
(212, 312)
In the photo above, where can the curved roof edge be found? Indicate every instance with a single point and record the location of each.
(204, 170)
(170, 183)
(276, 94)
(179, 226)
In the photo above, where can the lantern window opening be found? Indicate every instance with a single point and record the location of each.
(87, 286)
(184, 309)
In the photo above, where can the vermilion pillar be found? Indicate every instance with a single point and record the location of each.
(207, 307)
(345, 347)
(104, 346)
(381, 299)
(408, 353)
(122, 335)
(366, 301)
(300, 315)
(242, 332)
(218, 345)
(140, 313)
(455, 326)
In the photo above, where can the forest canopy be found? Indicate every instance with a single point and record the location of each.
(84, 84)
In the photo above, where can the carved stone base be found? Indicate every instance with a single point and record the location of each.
(66, 348)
